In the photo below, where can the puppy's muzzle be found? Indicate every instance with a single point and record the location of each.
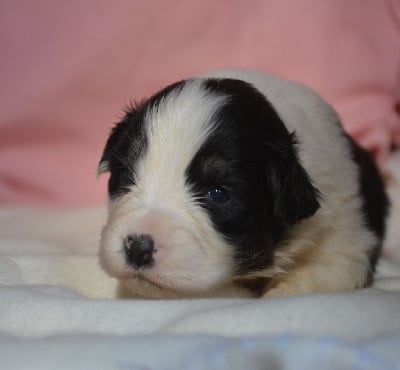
(139, 250)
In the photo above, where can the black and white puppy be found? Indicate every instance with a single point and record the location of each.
(239, 180)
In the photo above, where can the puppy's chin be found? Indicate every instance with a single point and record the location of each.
(138, 288)
(189, 257)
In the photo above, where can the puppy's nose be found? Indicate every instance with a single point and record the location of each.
(139, 249)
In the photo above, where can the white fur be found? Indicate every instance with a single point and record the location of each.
(327, 252)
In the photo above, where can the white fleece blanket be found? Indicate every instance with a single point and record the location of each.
(57, 311)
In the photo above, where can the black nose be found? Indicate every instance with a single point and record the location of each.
(139, 250)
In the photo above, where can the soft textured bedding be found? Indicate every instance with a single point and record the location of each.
(197, 353)
(57, 310)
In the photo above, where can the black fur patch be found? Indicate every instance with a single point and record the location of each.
(375, 203)
(252, 156)
(124, 146)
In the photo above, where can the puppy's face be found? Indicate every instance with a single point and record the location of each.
(204, 182)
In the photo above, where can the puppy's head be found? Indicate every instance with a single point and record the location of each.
(204, 182)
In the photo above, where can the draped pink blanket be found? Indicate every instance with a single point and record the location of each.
(68, 68)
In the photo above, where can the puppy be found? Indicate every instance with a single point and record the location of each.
(239, 183)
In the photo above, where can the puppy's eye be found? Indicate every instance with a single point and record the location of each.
(218, 195)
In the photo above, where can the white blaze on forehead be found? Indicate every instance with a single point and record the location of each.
(176, 128)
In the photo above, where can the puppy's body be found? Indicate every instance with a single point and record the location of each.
(238, 179)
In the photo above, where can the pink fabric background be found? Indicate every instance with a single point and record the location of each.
(68, 68)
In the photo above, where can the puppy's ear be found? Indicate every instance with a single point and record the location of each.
(117, 133)
(102, 167)
(295, 196)
(104, 163)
